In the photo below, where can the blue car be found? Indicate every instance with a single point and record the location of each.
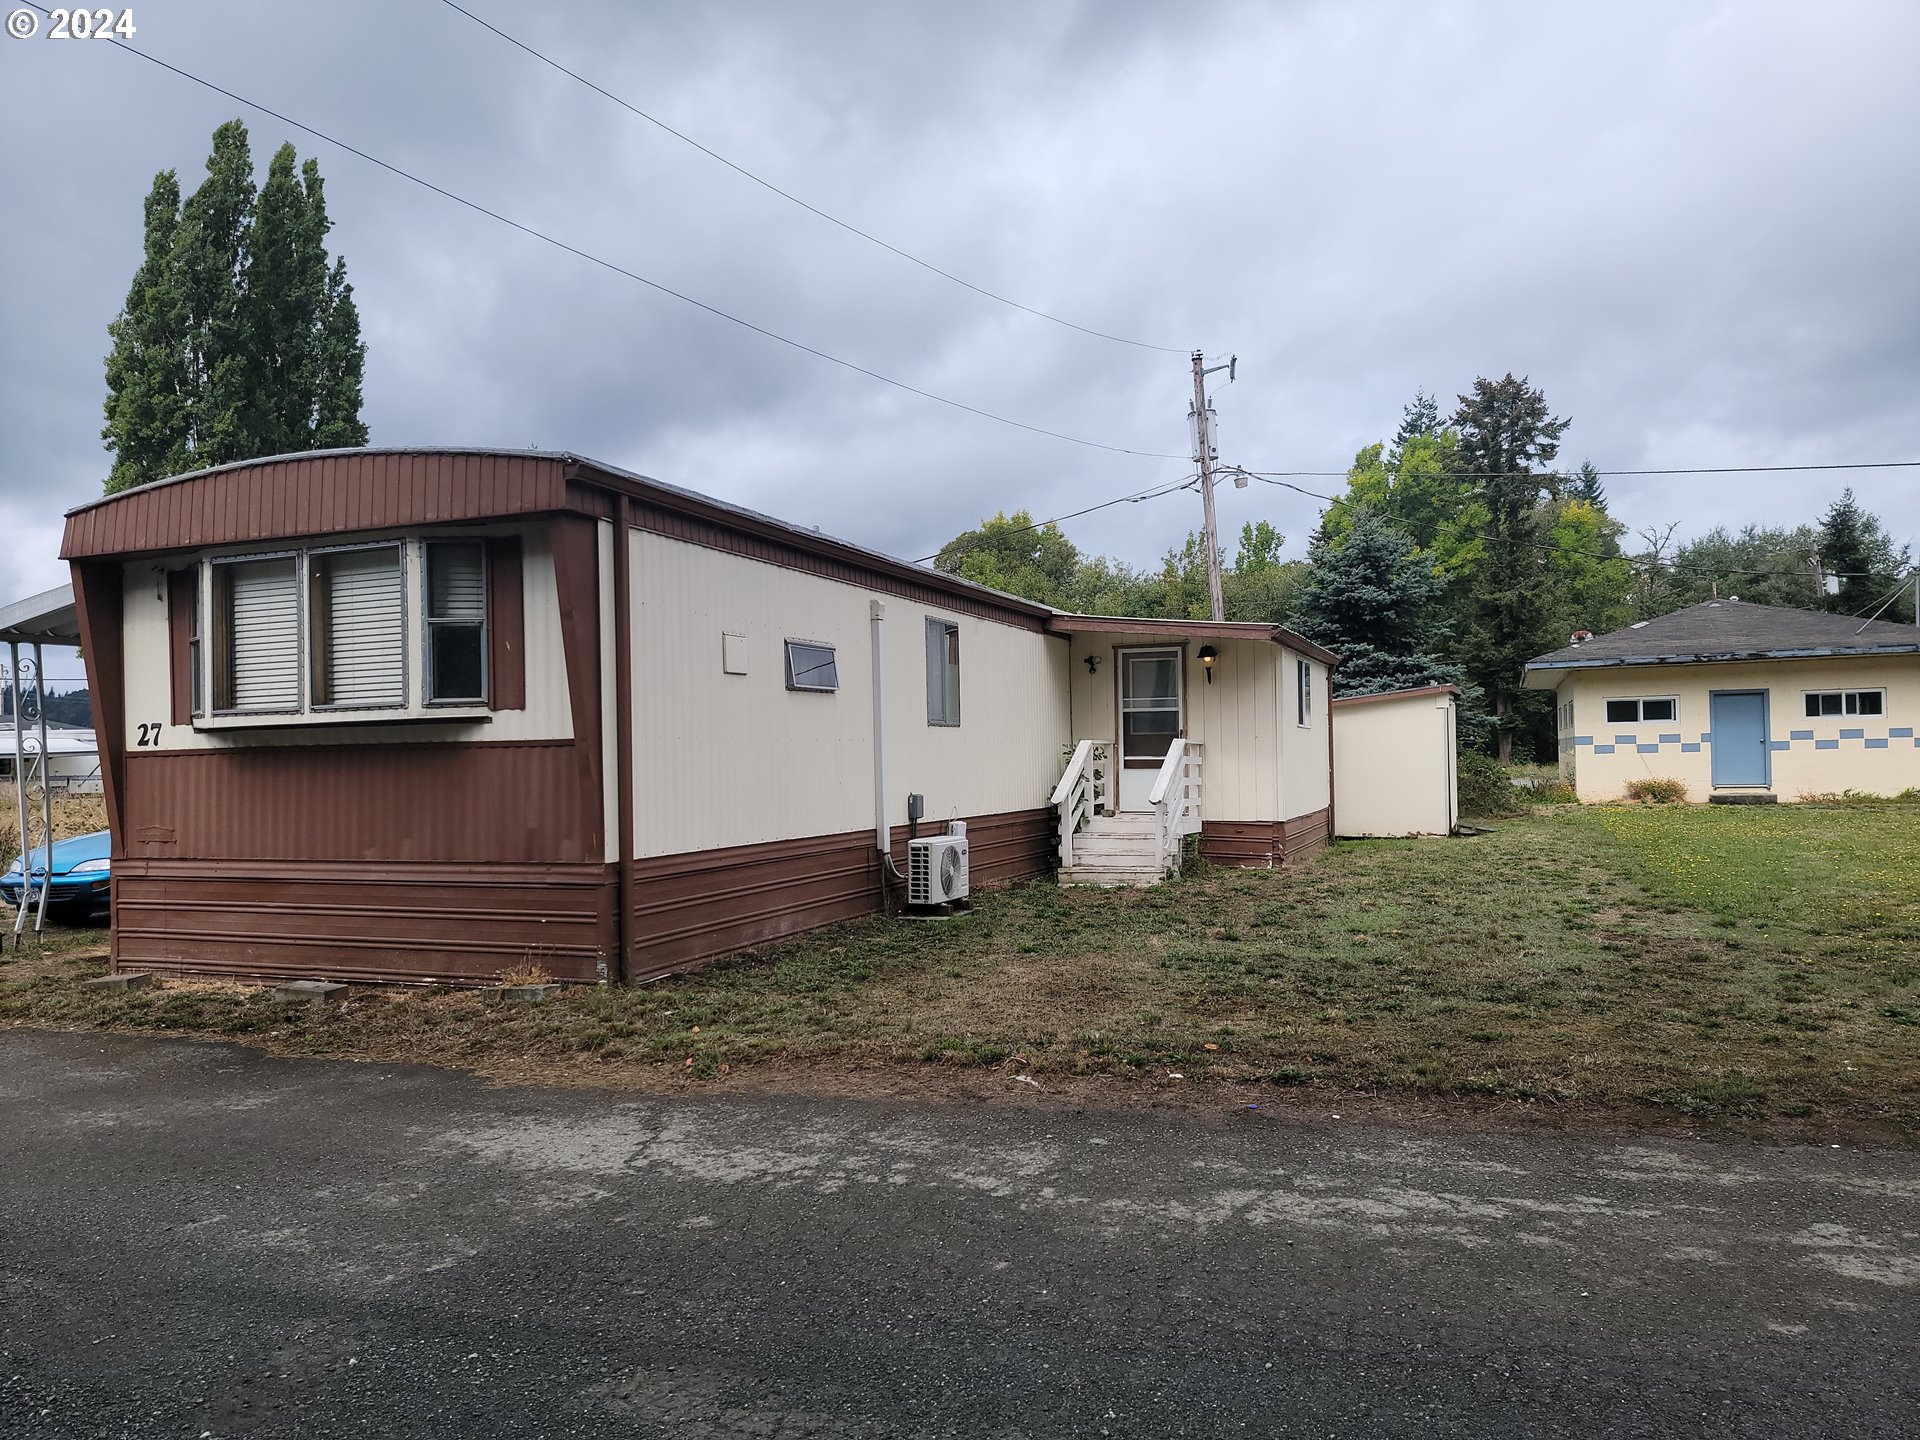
(80, 878)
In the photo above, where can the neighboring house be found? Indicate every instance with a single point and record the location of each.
(73, 756)
(1739, 700)
(1394, 762)
(428, 715)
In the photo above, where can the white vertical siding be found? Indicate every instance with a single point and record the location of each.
(723, 759)
(1235, 717)
(1306, 772)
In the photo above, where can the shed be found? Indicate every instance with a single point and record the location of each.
(426, 715)
(1395, 762)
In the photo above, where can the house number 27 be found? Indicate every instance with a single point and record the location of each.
(149, 735)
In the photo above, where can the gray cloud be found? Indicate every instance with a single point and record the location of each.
(1691, 224)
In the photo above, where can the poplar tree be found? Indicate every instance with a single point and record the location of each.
(237, 339)
(149, 388)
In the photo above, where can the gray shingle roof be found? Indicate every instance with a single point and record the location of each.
(1734, 630)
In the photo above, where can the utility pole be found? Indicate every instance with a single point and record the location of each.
(1203, 452)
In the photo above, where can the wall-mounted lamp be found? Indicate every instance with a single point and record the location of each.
(1093, 663)
(1208, 655)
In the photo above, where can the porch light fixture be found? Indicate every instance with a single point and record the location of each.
(1093, 663)
(1207, 657)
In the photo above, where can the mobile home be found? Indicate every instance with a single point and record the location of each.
(428, 715)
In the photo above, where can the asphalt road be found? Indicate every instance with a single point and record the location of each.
(198, 1240)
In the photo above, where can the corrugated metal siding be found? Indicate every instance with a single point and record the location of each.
(474, 803)
(692, 907)
(729, 760)
(326, 495)
(408, 922)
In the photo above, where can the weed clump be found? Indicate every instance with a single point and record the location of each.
(1657, 790)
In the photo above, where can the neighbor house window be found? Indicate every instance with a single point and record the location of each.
(256, 611)
(943, 672)
(1566, 716)
(1632, 712)
(811, 666)
(1303, 670)
(357, 620)
(1846, 702)
(456, 622)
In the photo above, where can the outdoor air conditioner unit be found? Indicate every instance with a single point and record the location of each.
(937, 870)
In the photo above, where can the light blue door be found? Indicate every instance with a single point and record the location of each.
(1739, 722)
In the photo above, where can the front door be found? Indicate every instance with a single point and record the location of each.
(1151, 719)
(1738, 719)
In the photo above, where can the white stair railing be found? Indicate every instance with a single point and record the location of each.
(1175, 799)
(1082, 791)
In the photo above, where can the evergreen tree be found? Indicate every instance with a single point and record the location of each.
(237, 339)
(1371, 600)
(1855, 547)
(1505, 431)
(1419, 421)
(1587, 486)
(148, 386)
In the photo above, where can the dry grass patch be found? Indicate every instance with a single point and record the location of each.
(72, 815)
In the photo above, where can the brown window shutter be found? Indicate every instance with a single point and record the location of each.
(506, 625)
(182, 594)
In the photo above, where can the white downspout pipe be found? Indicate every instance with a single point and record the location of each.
(877, 616)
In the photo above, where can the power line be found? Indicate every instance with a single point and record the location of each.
(1152, 493)
(786, 195)
(621, 270)
(1611, 474)
(1559, 549)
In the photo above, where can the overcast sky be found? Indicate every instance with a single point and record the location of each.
(1693, 225)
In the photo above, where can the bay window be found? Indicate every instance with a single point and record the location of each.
(390, 626)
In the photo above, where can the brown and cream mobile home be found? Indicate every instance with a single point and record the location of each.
(429, 715)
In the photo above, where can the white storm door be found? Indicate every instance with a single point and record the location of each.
(1151, 718)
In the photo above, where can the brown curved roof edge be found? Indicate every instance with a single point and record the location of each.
(1398, 694)
(322, 492)
(1064, 624)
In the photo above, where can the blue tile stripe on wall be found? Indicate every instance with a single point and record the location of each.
(1633, 743)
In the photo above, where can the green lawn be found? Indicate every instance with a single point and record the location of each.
(1745, 962)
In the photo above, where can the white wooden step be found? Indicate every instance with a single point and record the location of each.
(1111, 876)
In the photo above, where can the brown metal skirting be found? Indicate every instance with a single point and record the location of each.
(1250, 844)
(1263, 844)
(1305, 836)
(381, 922)
(692, 907)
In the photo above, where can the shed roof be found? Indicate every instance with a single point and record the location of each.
(1728, 630)
(1412, 693)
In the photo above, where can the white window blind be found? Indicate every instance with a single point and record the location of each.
(456, 621)
(359, 628)
(263, 650)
